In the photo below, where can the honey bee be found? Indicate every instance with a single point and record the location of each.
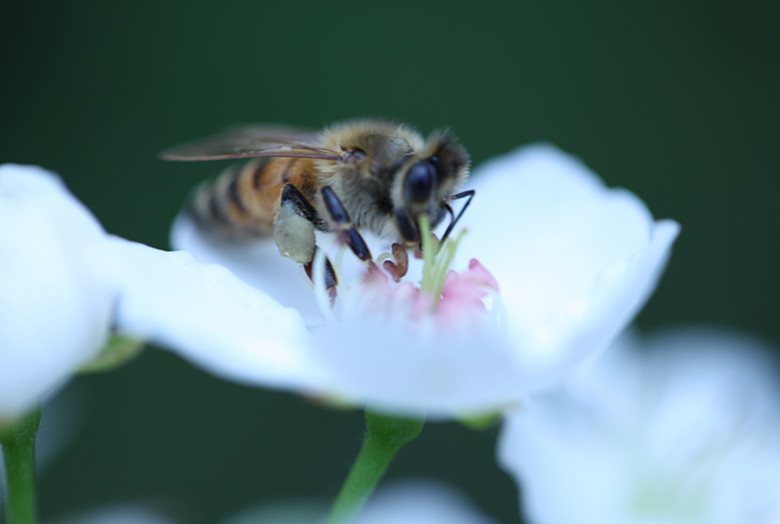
(369, 175)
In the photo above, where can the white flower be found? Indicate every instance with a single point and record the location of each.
(574, 262)
(404, 502)
(420, 502)
(54, 309)
(119, 514)
(685, 429)
(65, 284)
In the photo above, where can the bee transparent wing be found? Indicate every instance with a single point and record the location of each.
(253, 141)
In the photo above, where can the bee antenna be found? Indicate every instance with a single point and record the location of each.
(454, 219)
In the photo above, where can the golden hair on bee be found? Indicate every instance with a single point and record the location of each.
(372, 175)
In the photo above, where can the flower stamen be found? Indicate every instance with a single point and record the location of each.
(437, 259)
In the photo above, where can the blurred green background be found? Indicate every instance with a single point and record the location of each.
(676, 101)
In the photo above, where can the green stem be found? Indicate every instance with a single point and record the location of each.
(385, 436)
(18, 443)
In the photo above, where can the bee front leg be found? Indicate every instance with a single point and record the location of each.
(294, 233)
(346, 231)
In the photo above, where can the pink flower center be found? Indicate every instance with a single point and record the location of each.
(462, 299)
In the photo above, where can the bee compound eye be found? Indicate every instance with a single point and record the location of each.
(420, 182)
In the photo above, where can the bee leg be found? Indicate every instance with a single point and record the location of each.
(400, 265)
(330, 276)
(463, 194)
(347, 233)
(294, 233)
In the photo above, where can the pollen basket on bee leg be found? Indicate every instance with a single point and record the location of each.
(294, 235)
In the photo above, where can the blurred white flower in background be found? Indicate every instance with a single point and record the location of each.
(573, 261)
(683, 428)
(399, 502)
(119, 514)
(420, 502)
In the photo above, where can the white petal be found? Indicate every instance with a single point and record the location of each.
(575, 261)
(684, 430)
(420, 502)
(256, 262)
(119, 514)
(379, 362)
(54, 308)
(539, 449)
(208, 315)
(400, 502)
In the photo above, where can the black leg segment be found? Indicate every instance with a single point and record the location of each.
(331, 281)
(291, 195)
(348, 234)
(463, 194)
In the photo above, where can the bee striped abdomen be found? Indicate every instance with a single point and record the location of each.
(243, 201)
(239, 203)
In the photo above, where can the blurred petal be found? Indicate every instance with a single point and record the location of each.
(54, 306)
(120, 514)
(420, 502)
(685, 430)
(401, 502)
(283, 512)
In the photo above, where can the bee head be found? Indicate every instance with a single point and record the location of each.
(429, 183)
